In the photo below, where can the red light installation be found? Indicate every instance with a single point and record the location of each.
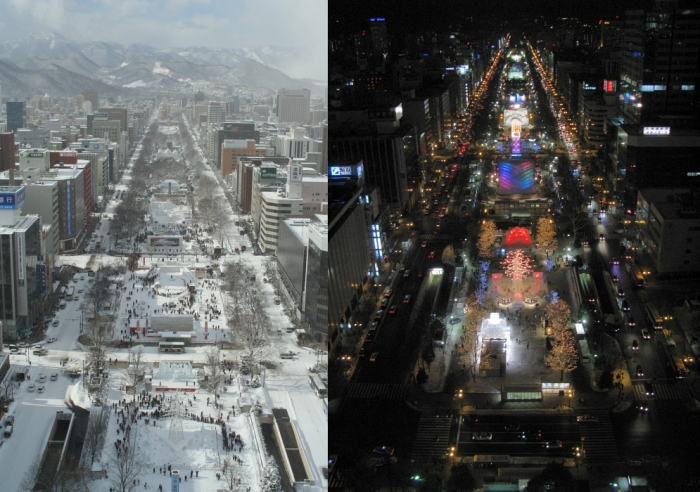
(517, 237)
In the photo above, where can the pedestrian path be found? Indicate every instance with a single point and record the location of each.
(432, 437)
(379, 391)
(597, 437)
(679, 390)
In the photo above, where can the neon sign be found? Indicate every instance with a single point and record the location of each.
(657, 130)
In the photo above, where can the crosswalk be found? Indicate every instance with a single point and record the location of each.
(432, 436)
(433, 237)
(679, 390)
(598, 439)
(379, 391)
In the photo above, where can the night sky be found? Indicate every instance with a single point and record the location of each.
(422, 15)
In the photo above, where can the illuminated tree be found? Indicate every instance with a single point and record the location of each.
(563, 357)
(546, 235)
(468, 348)
(558, 315)
(487, 239)
(517, 265)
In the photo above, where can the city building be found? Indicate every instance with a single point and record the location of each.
(668, 220)
(231, 150)
(103, 127)
(276, 206)
(21, 281)
(296, 144)
(659, 66)
(216, 113)
(16, 115)
(7, 151)
(32, 139)
(90, 95)
(293, 105)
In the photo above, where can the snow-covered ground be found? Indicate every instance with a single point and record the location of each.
(287, 385)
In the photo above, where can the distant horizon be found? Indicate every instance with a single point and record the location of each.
(173, 24)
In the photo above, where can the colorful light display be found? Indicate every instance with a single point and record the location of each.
(517, 177)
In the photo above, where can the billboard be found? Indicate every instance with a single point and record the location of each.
(11, 198)
(295, 172)
(164, 241)
(268, 172)
(657, 130)
(341, 171)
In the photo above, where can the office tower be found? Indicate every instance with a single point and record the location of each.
(7, 151)
(293, 105)
(117, 114)
(659, 69)
(215, 113)
(16, 115)
(380, 40)
(91, 95)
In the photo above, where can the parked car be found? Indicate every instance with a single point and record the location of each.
(640, 371)
(389, 451)
(393, 309)
(645, 334)
(50, 340)
(55, 322)
(554, 444)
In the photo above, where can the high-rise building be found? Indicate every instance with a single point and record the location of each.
(91, 95)
(659, 68)
(216, 113)
(380, 40)
(101, 125)
(7, 151)
(117, 114)
(293, 105)
(16, 115)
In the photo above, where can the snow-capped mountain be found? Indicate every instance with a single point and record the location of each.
(55, 57)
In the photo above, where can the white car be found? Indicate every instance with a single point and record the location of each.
(31, 387)
(41, 389)
(482, 436)
(54, 376)
(50, 340)
(55, 322)
(42, 378)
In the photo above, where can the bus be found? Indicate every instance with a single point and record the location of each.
(177, 347)
(318, 386)
(637, 276)
(654, 317)
(69, 293)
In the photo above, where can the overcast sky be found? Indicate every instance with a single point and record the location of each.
(180, 23)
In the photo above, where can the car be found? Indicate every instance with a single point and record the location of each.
(41, 378)
(600, 220)
(585, 241)
(373, 357)
(55, 322)
(615, 278)
(554, 444)
(41, 389)
(22, 345)
(531, 435)
(626, 306)
(373, 325)
(378, 315)
(54, 376)
(423, 245)
(648, 390)
(393, 309)
(586, 418)
(76, 298)
(511, 427)
(389, 451)
(362, 353)
(621, 292)
(640, 371)
(31, 388)
(635, 345)
(406, 273)
(369, 337)
(385, 301)
(62, 305)
(50, 340)
(431, 255)
(645, 334)
(602, 237)
(419, 275)
(630, 321)
(407, 298)
(643, 407)
(615, 260)
(482, 436)
(388, 292)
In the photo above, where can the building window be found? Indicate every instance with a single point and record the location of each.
(685, 262)
(687, 251)
(690, 239)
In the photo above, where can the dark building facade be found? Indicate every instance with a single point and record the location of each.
(7, 151)
(16, 115)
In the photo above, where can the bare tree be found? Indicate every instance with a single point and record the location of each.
(95, 433)
(98, 294)
(231, 471)
(136, 371)
(100, 335)
(126, 464)
(42, 475)
(221, 221)
(212, 367)
(206, 210)
(7, 392)
(206, 186)
(270, 481)
(253, 335)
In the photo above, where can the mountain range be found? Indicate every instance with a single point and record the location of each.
(54, 64)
